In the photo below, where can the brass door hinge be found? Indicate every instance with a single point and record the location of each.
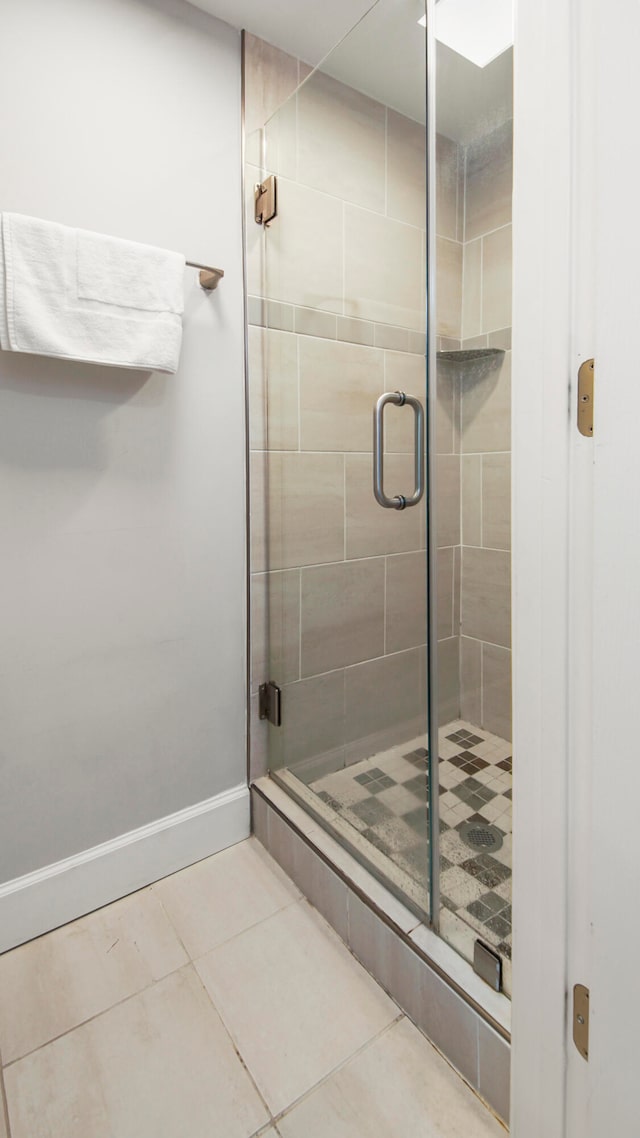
(581, 1019)
(586, 376)
(266, 200)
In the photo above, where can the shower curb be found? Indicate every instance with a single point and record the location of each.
(392, 945)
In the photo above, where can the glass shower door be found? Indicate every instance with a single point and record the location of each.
(344, 351)
(388, 626)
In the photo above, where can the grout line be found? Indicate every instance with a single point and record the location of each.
(97, 1015)
(238, 1052)
(491, 644)
(482, 285)
(482, 500)
(250, 928)
(386, 161)
(354, 1055)
(384, 610)
(300, 623)
(299, 447)
(482, 684)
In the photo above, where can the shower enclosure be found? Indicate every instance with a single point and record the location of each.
(379, 344)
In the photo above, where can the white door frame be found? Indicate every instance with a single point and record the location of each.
(576, 508)
(543, 430)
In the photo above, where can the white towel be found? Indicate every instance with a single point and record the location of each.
(83, 296)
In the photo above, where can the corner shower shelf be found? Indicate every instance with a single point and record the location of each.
(469, 355)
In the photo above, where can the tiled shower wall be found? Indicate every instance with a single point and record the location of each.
(485, 436)
(338, 591)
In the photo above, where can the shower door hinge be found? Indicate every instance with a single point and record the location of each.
(586, 375)
(266, 200)
(270, 703)
(581, 1019)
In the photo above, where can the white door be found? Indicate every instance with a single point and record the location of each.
(577, 568)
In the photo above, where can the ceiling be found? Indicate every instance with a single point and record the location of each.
(382, 54)
(307, 29)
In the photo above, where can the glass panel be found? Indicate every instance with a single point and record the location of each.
(345, 323)
(473, 298)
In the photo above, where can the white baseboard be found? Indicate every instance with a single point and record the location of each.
(58, 893)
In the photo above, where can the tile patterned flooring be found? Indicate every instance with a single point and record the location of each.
(384, 798)
(215, 1004)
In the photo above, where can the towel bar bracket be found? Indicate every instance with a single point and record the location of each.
(209, 277)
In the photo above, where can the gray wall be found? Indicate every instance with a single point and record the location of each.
(122, 670)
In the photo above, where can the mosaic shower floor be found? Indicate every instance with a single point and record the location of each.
(384, 799)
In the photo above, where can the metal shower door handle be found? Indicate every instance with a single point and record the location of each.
(399, 502)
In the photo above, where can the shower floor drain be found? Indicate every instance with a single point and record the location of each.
(481, 836)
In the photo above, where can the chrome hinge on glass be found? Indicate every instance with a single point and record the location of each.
(270, 703)
(581, 1019)
(266, 199)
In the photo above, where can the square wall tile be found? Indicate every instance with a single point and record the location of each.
(395, 295)
(256, 337)
(282, 657)
(448, 287)
(406, 608)
(445, 594)
(255, 239)
(471, 478)
(448, 679)
(341, 142)
(258, 510)
(448, 499)
(386, 693)
(280, 141)
(402, 372)
(308, 234)
(281, 390)
(406, 170)
(486, 595)
(496, 279)
(342, 614)
(275, 627)
(485, 411)
(496, 501)
(339, 386)
(271, 76)
(472, 289)
(371, 529)
(447, 409)
(447, 203)
(471, 680)
(496, 690)
(489, 182)
(306, 509)
(312, 720)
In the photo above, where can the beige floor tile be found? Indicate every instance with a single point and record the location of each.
(59, 980)
(398, 1086)
(295, 1001)
(214, 900)
(159, 1065)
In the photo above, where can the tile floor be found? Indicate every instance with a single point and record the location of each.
(215, 1004)
(384, 798)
